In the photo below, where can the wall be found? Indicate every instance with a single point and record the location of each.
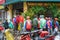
(25, 6)
(9, 13)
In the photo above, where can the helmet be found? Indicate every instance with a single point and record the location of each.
(41, 16)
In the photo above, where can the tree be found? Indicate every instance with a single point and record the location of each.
(34, 10)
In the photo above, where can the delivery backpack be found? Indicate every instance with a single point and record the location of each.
(28, 25)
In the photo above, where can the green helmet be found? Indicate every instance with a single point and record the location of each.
(41, 16)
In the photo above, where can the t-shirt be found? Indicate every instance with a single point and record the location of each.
(14, 21)
(42, 23)
(56, 24)
(49, 24)
(17, 19)
(35, 22)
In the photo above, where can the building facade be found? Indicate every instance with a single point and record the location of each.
(23, 5)
(2, 12)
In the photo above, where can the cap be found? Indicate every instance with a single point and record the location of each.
(41, 16)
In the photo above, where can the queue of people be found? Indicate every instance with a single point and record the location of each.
(37, 23)
(41, 22)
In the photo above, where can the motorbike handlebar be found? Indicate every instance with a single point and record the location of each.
(35, 31)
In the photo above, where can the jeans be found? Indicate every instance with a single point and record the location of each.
(50, 31)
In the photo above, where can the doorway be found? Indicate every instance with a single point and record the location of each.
(17, 8)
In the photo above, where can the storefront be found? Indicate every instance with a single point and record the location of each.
(17, 8)
(23, 5)
(2, 12)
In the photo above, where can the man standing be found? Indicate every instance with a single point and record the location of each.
(1, 25)
(28, 24)
(46, 18)
(20, 20)
(6, 25)
(15, 23)
(42, 22)
(35, 23)
(49, 24)
(56, 24)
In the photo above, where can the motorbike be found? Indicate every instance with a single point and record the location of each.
(1, 33)
(8, 34)
(29, 35)
(25, 36)
(33, 35)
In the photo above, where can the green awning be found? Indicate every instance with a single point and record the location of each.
(15, 1)
(11, 2)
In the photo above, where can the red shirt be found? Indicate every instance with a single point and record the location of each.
(20, 19)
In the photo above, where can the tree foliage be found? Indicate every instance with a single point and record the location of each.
(53, 9)
(34, 10)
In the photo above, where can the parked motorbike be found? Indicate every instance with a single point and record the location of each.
(29, 35)
(9, 36)
(1, 33)
(25, 36)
